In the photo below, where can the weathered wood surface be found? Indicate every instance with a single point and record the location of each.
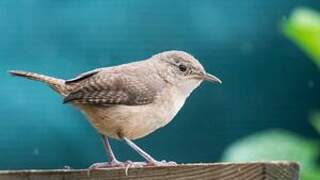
(219, 171)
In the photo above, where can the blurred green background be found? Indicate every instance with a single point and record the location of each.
(303, 28)
(268, 81)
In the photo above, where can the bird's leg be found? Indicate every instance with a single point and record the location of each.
(150, 160)
(113, 162)
(112, 158)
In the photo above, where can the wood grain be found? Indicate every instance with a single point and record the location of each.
(219, 171)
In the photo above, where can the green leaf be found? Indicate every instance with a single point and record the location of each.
(315, 121)
(274, 145)
(310, 175)
(303, 28)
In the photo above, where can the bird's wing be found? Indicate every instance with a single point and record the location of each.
(113, 89)
(83, 76)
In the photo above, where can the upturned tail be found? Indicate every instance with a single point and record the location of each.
(55, 83)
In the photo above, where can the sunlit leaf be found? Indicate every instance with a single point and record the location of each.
(315, 120)
(310, 175)
(303, 27)
(276, 145)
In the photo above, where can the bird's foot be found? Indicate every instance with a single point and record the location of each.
(117, 164)
(161, 163)
(129, 164)
(132, 164)
(105, 165)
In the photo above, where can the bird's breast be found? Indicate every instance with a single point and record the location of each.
(168, 105)
(135, 122)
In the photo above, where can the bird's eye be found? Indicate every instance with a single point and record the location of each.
(182, 67)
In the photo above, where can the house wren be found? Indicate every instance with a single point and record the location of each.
(130, 101)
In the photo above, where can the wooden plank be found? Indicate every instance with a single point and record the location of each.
(218, 171)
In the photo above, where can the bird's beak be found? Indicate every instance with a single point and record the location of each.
(212, 78)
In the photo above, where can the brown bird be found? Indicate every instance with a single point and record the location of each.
(130, 101)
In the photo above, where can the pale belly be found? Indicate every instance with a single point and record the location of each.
(134, 122)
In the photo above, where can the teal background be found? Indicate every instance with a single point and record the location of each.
(268, 81)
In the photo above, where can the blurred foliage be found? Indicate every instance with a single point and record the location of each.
(277, 145)
(303, 28)
(315, 120)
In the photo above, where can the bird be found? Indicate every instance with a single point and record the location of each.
(129, 101)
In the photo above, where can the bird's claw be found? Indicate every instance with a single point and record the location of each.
(162, 163)
(129, 164)
(105, 165)
(117, 164)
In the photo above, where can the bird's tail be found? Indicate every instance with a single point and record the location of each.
(55, 83)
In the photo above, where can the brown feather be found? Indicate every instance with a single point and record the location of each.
(113, 88)
(83, 76)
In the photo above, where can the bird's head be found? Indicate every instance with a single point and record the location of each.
(183, 70)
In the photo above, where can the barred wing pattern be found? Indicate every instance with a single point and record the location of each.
(112, 89)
